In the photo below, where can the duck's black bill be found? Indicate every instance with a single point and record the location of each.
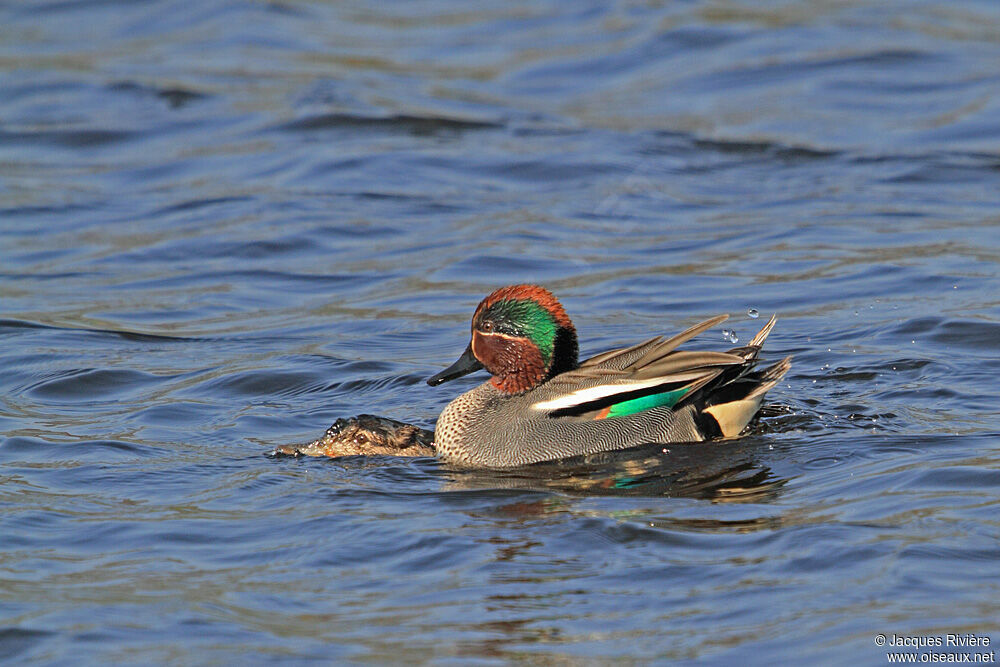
(467, 363)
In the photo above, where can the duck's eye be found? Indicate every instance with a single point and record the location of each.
(487, 326)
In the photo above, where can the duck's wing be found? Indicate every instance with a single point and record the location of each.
(592, 388)
(629, 379)
(625, 357)
(655, 374)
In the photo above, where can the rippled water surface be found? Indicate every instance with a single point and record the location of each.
(225, 224)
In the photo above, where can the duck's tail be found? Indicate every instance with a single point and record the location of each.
(732, 414)
(730, 406)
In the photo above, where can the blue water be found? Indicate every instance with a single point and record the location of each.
(225, 224)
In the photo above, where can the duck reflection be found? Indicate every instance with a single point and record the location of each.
(721, 472)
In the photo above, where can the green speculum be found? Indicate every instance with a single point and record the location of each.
(667, 398)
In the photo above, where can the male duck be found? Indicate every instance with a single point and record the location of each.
(542, 404)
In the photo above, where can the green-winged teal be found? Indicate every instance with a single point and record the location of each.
(542, 404)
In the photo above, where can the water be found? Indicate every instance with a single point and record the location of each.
(225, 226)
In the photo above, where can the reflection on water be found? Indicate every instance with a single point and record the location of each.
(721, 472)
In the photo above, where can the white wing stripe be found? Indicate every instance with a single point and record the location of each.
(594, 393)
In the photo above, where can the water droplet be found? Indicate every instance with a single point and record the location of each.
(730, 335)
(753, 313)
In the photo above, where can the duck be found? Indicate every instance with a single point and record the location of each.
(543, 404)
(365, 435)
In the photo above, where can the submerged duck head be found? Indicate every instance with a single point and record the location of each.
(521, 335)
